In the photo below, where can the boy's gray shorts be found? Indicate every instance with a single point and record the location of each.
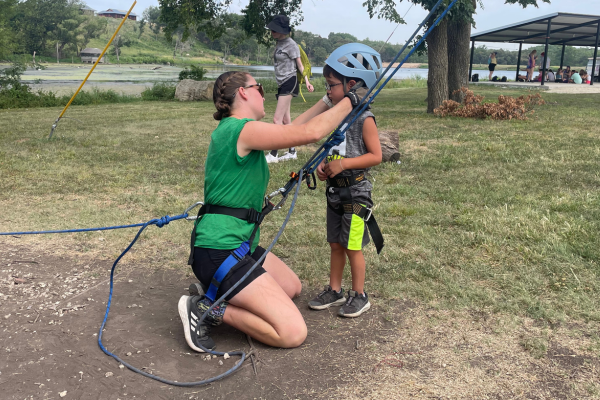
(349, 230)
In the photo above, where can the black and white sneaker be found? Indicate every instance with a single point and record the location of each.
(196, 289)
(355, 305)
(327, 298)
(196, 333)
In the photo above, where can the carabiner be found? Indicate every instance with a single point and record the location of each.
(314, 180)
(278, 192)
(190, 208)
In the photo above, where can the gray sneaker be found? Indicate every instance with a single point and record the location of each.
(327, 298)
(355, 305)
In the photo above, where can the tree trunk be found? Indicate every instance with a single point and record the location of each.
(437, 78)
(459, 34)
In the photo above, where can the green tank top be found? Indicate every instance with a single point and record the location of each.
(231, 181)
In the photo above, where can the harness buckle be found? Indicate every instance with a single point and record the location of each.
(190, 208)
(370, 210)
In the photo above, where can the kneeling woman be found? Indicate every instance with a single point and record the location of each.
(236, 176)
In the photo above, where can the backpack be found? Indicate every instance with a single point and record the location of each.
(495, 79)
(307, 70)
(504, 79)
(475, 78)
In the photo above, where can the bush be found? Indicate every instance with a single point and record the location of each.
(159, 91)
(194, 72)
(506, 108)
(97, 96)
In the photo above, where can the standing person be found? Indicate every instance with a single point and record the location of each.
(531, 64)
(546, 61)
(348, 190)
(236, 178)
(287, 61)
(492, 63)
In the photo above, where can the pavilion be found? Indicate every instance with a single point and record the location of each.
(555, 29)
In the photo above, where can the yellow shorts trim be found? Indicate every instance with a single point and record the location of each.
(357, 231)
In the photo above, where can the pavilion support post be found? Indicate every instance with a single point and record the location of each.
(595, 54)
(546, 50)
(562, 56)
(471, 62)
(518, 62)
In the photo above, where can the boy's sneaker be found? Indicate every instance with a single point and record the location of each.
(196, 289)
(355, 305)
(195, 333)
(290, 155)
(327, 298)
(271, 158)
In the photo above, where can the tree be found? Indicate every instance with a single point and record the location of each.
(152, 16)
(8, 38)
(455, 27)
(90, 28)
(142, 26)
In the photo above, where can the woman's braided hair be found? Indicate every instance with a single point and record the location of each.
(224, 91)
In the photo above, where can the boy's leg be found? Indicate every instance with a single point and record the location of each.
(357, 266)
(338, 262)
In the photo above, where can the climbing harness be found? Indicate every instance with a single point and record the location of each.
(305, 173)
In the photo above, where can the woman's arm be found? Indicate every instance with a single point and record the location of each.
(264, 136)
(319, 108)
(369, 159)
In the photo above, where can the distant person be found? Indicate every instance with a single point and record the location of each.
(575, 77)
(547, 61)
(550, 76)
(531, 64)
(286, 61)
(584, 76)
(559, 75)
(492, 63)
(567, 74)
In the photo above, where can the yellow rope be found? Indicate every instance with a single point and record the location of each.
(92, 70)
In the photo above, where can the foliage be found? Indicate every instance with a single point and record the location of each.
(193, 72)
(259, 13)
(473, 107)
(159, 91)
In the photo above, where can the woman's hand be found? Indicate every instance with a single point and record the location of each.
(333, 168)
(320, 173)
(310, 87)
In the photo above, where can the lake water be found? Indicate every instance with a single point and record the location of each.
(134, 78)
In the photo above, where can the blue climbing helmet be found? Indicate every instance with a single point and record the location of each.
(356, 60)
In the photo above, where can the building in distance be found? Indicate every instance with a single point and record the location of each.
(91, 54)
(112, 13)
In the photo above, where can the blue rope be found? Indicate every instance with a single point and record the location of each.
(107, 228)
(159, 223)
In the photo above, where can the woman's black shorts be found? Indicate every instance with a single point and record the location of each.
(289, 87)
(491, 67)
(207, 261)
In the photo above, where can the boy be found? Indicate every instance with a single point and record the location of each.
(348, 190)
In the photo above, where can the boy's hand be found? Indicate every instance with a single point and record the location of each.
(320, 173)
(310, 87)
(333, 168)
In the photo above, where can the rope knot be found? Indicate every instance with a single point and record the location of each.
(163, 221)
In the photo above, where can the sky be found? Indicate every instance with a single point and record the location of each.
(349, 16)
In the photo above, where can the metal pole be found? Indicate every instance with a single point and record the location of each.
(546, 51)
(595, 55)
(518, 62)
(562, 56)
(471, 62)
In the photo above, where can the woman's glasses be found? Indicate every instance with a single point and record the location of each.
(258, 86)
(328, 86)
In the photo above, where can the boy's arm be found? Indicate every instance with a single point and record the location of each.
(369, 159)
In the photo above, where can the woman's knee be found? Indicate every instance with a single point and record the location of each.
(294, 334)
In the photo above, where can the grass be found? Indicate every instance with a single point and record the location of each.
(501, 216)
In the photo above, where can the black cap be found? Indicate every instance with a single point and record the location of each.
(280, 24)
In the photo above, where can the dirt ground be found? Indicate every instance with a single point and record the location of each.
(52, 306)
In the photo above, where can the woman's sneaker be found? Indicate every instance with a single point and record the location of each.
(290, 155)
(196, 333)
(355, 305)
(271, 159)
(327, 298)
